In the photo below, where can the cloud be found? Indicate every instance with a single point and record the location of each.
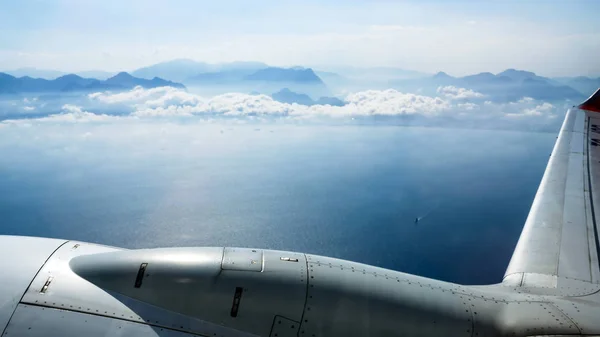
(452, 106)
(155, 97)
(525, 100)
(28, 108)
(468, 106)
(70, 114)
(392, 102)
(453, 92)
(544, 109)
(176, 102)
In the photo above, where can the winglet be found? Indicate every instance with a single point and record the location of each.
(592, 103)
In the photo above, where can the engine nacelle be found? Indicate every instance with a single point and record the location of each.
(276, 293)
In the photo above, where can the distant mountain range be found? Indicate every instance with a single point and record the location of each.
(293, 75)
(52, 74)
(583, 84)
(184, 70)
(176, 70)
(196, 73)
(70, 83)
(371, 74)
(508, 85)
(201, 73)
(285, 95)
(220, 77)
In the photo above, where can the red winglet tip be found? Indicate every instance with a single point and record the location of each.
(592, 103)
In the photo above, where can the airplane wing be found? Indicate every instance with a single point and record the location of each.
(560, 239)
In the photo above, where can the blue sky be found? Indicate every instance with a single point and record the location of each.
(553, 38)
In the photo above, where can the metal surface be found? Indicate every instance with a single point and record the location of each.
(283, 327)
(593, 183)
(523, 318)
(574, 260)
(192, 282)
(34, 321)
(22, 258)
(341, 298)
(243, 259)
(70, 292)
(352, 299)
(557, 239)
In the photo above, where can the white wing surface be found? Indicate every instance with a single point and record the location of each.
(559, 242)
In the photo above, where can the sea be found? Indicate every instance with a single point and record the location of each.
(350, 192)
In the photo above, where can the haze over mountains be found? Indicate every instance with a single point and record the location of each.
(508, 85)
(511, 99)
(583, 84)
(183, 70)
(300, 84)
(70, 83)
(52, 74)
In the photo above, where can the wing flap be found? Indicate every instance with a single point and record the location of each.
(574, 257)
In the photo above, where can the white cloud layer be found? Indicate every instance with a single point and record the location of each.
(452, 105)
(168, 101)
(70, 114)
(453, 92)
(544, 109)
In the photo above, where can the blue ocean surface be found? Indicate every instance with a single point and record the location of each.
(350, 192)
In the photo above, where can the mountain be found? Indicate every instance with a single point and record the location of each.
(514, 84)
(583, 84)
(125, 80)
(53, 74)
(442, 76)
(176, 70)
(230, 76)
(245, 72)
(71, 82)
(440, 79)
(285, 95)
(521, 75)
(68, 83)
(506, 86)
(375, 74)
(97, 74)
(35, 73)
(486, 79)
(182, 70)
(329, 75)
(543, 90)
(8, 84)
(333, 79)
(291, 75)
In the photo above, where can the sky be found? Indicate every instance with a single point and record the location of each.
(552, 38)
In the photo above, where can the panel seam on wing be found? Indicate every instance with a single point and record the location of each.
(565, 315)
(30, 283)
